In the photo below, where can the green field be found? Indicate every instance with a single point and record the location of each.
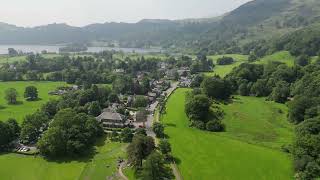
(257, 121)
(226, 69)
(281, 56)
(101, 166)
(226, 156)
(26, 107)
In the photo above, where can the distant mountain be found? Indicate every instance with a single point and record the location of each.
(253, 21)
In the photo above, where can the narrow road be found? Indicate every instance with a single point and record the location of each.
(176, 171)
(123, 177)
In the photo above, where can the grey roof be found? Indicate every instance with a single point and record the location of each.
(109, 116)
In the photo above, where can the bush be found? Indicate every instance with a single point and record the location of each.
(158, 129)
(199, 124)
(215, 126)
(225, 60)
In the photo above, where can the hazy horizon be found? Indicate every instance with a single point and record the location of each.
(83, 12)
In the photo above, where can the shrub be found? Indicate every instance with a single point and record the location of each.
(215, 126)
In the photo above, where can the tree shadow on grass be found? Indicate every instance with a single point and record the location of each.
(170, 124)
(16, 104)
(2, 107)
(84, 157)
(34, 100)
(176, 160)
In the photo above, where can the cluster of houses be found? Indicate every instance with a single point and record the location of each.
(111, 118)
(121, 115)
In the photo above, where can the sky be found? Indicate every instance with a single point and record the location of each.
(30, 13)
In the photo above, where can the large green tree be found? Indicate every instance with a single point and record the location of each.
(33, 125)
(197, 107)
(306, 149)
(140, 147)
(217, 88)
(11, 95)
(154, 168)
(31, 93)
(69, 134)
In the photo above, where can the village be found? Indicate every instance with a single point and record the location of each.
(121, 114)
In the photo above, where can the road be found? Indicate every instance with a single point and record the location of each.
(124, 177)
(152, 109)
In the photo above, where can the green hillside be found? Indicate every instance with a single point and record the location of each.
(203, 154)
(281, 56)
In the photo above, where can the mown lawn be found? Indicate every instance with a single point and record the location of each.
(281, 56)
(226, 69)
(101, 166)
(24, 107)
(203, 155)
(16, 167)
(104, 164)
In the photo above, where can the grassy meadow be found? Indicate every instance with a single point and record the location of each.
(228, 155)
(281, 56)
(226, 69)
(24, 107)
(256, 121)
(102, 165)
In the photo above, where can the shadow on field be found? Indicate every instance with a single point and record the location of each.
(176, 160)
(2, 107)
(17, 103)
(34, 100)
(170, 125)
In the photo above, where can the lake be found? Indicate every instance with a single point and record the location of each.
(52, 48)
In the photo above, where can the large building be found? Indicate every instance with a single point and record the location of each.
(110, 119)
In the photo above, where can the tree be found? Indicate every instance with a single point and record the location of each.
(298, 108)
(260, 88)
(94, 109)
(158, 129)
(141, 131)
(225, 60)
(11, 95)
(217, 88)
(281, 92)
(302, 60)
(165, 147)
(307, 149)
(9, 131)
(12, 52)
(31, 93)
(113, 98)
(140, 147)
(197, 80)
(243, 89)
(155, 168)
(50, 108)
(14, 128)
(197, 107)
(140, 102)
(126, 135)
(32, 126)
(215, 126)
(69, 134)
